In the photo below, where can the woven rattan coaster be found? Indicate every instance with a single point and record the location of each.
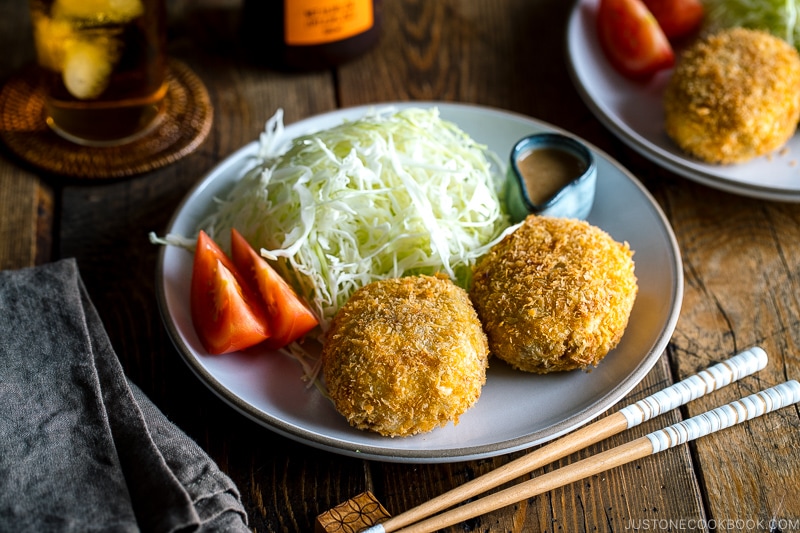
(185, 125)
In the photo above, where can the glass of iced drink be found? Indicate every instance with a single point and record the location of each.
(104, 66)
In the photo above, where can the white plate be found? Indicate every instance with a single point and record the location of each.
(516, 410)
(633, 111)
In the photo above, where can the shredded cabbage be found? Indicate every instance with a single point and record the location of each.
(391, 194)
(779, 17)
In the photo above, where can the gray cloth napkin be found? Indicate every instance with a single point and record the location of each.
(81, 447)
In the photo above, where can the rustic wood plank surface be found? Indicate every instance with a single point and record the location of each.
(741, 262)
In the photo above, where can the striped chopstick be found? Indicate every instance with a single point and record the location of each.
(715, 377)
(752, 406)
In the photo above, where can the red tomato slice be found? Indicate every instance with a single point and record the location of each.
(677, 18)
(289, 317)
(632, 39)
(227, 316)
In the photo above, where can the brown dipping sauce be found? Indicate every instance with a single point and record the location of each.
(546, 171)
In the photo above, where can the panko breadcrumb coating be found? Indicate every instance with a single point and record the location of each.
(554, 295)
(405, 355)
(734, 95)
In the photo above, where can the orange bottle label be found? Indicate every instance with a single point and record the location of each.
(310, 22)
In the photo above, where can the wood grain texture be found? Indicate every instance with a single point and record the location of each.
(19, 218)
(741, 262)
(742, 259)
(26, 204)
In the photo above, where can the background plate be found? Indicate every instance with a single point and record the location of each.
(633, 111)
(516, 410)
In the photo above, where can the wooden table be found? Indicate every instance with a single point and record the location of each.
(741, 260)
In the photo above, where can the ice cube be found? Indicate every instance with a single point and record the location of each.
(87, 69)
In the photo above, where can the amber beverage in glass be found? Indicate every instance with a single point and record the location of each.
(104, 66)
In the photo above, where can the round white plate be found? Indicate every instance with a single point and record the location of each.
(633, 111)
(516, 410)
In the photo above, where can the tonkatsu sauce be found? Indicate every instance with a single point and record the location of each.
(546, 171)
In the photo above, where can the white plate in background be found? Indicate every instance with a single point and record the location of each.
(633, 111)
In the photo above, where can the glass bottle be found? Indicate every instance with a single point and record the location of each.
(310, 34)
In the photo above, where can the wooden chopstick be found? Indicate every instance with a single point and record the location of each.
(691, 388)
(752, 406)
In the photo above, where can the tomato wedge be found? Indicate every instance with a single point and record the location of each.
(677, 18)
(226, 314)
(289, 317)
(631, 38)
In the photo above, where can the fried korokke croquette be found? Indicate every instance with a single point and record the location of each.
(733, 95)
(554, 295)
(405, 355)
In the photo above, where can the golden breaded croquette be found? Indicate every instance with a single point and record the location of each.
(733, 95)
(554, 295)
(405, 355)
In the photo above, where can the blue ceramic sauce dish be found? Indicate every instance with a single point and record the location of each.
(550, 174)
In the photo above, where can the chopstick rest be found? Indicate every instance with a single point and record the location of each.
(752, 406)
(715, 377)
